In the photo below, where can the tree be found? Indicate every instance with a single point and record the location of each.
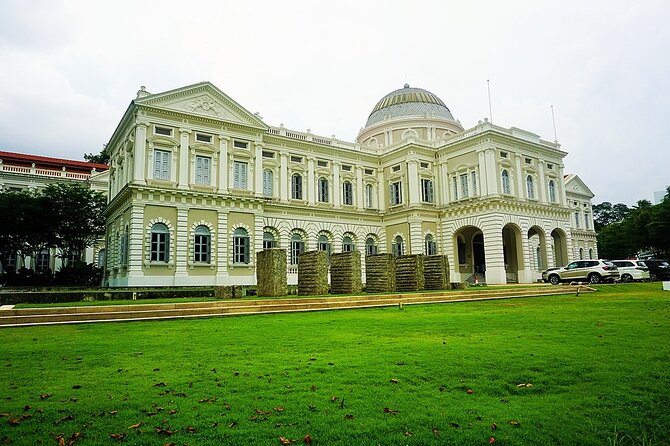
(100, 158)
(659, 226)
(77, 214)
(605, 214)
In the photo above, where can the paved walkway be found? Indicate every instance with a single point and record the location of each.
(22, 317)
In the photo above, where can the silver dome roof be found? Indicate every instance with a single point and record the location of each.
(409, 101)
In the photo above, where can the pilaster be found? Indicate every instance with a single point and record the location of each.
(337, 186)
(359, 188)
(222, 247)
(493, 253)
(258, 170)
(413, 181)
(223, 164)
(520, 190)
(310, 183)
(184, 135)
(139, 156)
(181, 247)
(135, 245)
(284, 183)
(381, 188)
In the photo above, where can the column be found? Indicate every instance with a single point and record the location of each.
(381, 188)
(135, 245)
(444, 183)
(493, 253)
(222, 248)
(525, 274)
(359, 189)
(310, 183)
(491, 172)
(258, 171)
(183, 158)
(412, 182)
(284, 182)
(415, 236)
(181, 247)
(483, 174)
(520, 191)
(561, 186)
(542, 187)
(139, 155)
(337, 187)
(223, 164)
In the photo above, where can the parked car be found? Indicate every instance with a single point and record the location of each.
(658, 269)
(594, 271)
(630, 270)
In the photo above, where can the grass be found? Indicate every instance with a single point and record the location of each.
(428, 375)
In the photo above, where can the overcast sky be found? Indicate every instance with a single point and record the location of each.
(69, 69)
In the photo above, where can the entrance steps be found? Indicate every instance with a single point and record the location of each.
(13, 317)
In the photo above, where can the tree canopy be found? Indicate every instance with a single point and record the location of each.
(624, 232)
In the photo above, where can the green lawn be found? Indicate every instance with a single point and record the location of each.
(594, 369)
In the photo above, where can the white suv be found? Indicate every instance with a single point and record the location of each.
(630, 270)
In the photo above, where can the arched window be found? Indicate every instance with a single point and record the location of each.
(430, 245)
(323, 190)
(552, 191)
(323, 244)
(347, 193)
(160, 243)
(397, 247)
(297, 248)
(370, 247)
(347, 244)
(267, 182)
(241, 246)
(506, 189)
(202, 244)
(269, 241)
(530, 186)
(590, 253)
(296, 186)
(538, 254)
(368, 196)
(581, 253)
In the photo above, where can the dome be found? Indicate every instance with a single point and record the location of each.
(409, 101)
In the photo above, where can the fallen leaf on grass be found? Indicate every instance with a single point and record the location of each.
(14, 421)
(160, 384)
(113, 412)
(191, 430)
(391, 411)
(436, 431)
(394, 381)
(27, 408)
(492, 440)
(307, 439)
(409, 434)
(454, 425)
(279, 409)
(284, 440)
(515, 423)
(207, 400)
(3, 414)
(232, 425)
(494, 426)
(76, 386)
(164, 431)
(333, 398)
(348, 417)
(44, 396)
(65, 418)
(172, 412)
(135, 426)
(470, 391)
(313, 388)
(117, 437)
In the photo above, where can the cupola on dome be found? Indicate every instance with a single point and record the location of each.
(409, 102)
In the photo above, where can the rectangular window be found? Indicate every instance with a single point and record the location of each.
(474, 183)
(550, 166)
(455, 188)
(297, 248)
(346, 167)
(424, 165)
(577, 223)
(203, 138)
(163, 131)
(426, 190)
(587, 221)
(159, 246)
(162, 164)
(321, 163)
(503, 154)
(202, 169)
(347, 193)
(465, 190)
(296, 186)
(241, 250)
(396, 193)
(240, 144)
(296, 159)
(396, 168)
(528, 161)
(240, 174)
(201, 248)
(267, 182)
(268, 154)
(368, 195)
(369, 172)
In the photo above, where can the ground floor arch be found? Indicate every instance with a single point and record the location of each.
(560, 247)
(512, 252)
(469, 254)
(537, 246)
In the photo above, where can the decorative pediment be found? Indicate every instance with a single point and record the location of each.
(575, 185)
(203, 99)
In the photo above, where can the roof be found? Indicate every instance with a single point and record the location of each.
(409, 101)
(45, 161)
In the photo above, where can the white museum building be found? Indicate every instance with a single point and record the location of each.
(198, 185)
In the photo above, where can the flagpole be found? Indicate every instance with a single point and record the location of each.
(488, 87)
(553, 119)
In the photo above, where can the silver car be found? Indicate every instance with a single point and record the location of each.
(593, 271)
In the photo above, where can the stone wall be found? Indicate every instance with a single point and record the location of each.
(313, 273)
(409, 273)
(380, 273)
(271, 272)
(345, 273)
(436, 272)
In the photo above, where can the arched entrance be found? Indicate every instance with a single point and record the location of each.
(512, 252)
(560, 247)
(538, 251)
(469, 258)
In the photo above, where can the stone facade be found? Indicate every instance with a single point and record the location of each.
(198, 185)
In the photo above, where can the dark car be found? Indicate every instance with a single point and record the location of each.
(658, 269)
